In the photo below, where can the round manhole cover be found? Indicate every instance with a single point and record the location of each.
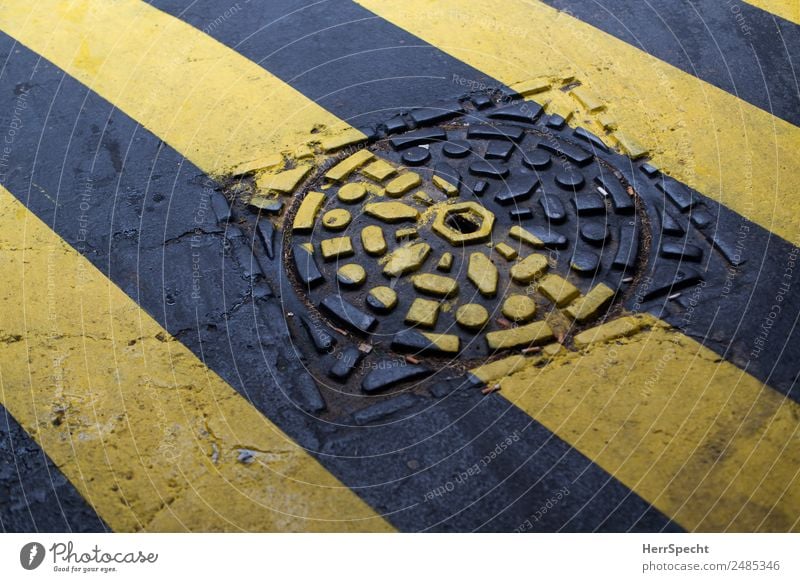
(465, 240)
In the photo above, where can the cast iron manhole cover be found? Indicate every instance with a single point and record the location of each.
(465, 240)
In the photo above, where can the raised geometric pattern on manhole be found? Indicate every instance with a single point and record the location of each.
(465, 239)
(461, 235)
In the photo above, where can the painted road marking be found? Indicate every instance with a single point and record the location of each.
(359, 67)
(37, 496)
(172, 78)
(725, 148)
(240, 346)
(337, 66)
(528, 484)
(705, 442)
(728, 501)
(730, 45)
(788, 9)
(151, 437)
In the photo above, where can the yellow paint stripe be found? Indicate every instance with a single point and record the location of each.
(788, 9)
(707, 443)
(209, 154)
(176, 81)
(722, 146)
(144, 430)
(702, 440)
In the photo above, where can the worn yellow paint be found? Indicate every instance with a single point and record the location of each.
(437, 285)
(499, 368)
(373, 241)
(386, 297)
(724, 147)
(282, 182)
(472, 316)
(535, 333)
(702, 440)
(530, 268)
(519, 308)
(588, 306)
(483, 274)
(307, 213)
(444, 342)
(391, 211)
(403, 184)
(347, 166)
(336, 248)
(558, 290)
(143, 429)
(614, 329)
(518, 233)
(423, 312)
(406, 259)
(788, 9)
(176, 81)
(507, 252)
(352, 275)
